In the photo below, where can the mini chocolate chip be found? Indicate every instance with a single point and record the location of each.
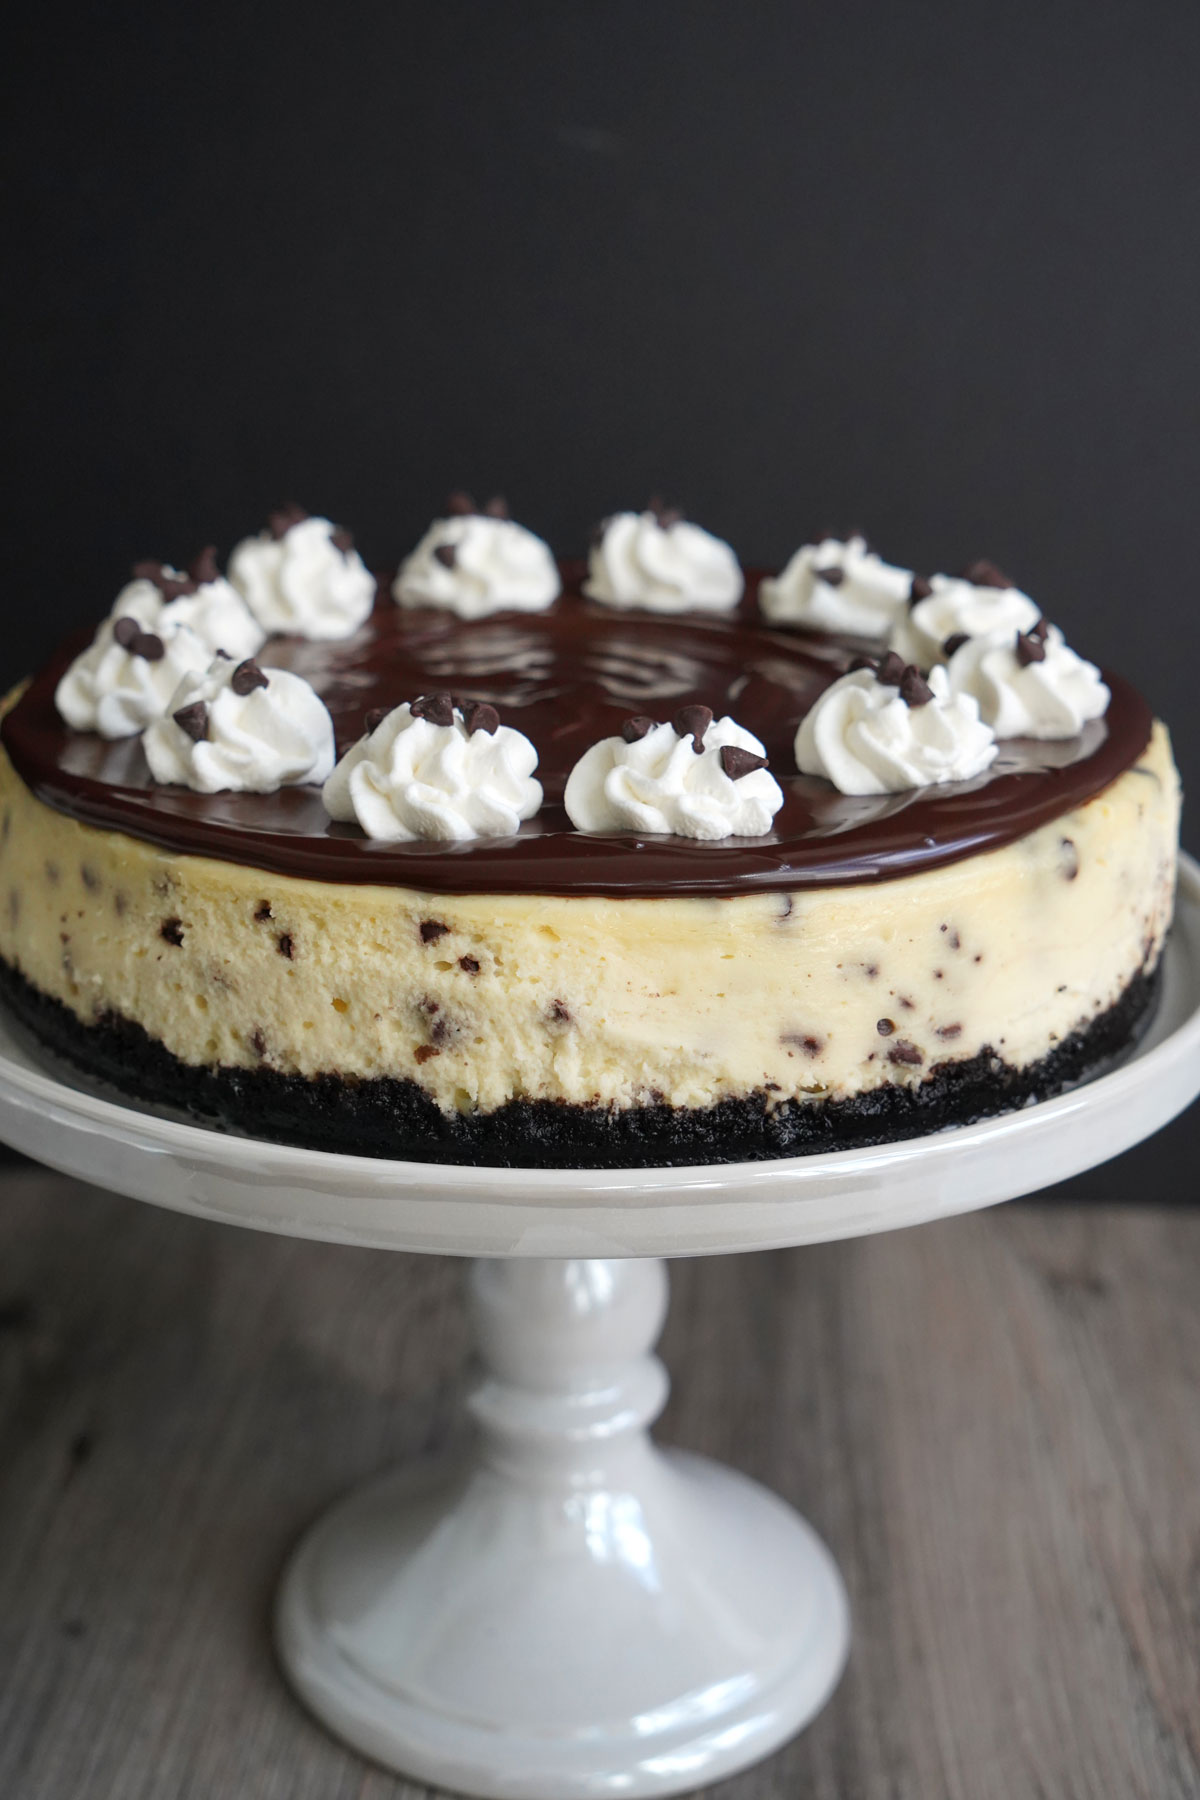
(949, 1031)
(169, 585)
(460, 505)
(193, 719)
(954, 642)
(737, 762)
(983, 573)
(891, 670)
(281, 518)
(149, 645)
(920, 589)
(258, 1043)
(203, 568)
(89, 878)
(885, 1027)
(478, 716)
(904, 1052)
(914, 689)
(375, 718)
(446, 554)
(693, 722)
(469, 965)
(437, 709)
(171, 931)
(286, 945)
(423, 1052)
(832, 577)
(223, 656)
(496, 507)
(126, 631)
(1029, 649)
(247, 676)
(664, 516)
(342, 540)
(432, 930)
(558, 1013)
(1068, 858)
(864, 662)
(633, 730)
(262, 912)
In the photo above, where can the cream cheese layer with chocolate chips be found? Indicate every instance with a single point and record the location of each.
(688, 1000)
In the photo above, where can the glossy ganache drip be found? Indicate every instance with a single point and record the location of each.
(566, 678)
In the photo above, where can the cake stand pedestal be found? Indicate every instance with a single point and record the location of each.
(563, 1611)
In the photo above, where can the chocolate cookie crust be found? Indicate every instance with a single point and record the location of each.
(392, 1117)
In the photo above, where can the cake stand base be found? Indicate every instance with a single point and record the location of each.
(564, 1610)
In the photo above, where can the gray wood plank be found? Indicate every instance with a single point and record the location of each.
(994, 1421)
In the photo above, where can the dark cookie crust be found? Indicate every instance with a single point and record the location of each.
(392, 1117)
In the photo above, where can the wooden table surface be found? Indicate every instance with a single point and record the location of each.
(995, 1423)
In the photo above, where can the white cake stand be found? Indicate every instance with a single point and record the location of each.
(567, 1611)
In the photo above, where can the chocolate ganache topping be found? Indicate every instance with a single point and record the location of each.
(566, 678)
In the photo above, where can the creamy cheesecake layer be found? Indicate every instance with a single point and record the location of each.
(480, 1000)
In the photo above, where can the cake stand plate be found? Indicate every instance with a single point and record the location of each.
(565, 1611)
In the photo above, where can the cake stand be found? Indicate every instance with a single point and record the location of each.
(564, 1610)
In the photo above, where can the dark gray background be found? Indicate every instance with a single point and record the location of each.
(928, 268)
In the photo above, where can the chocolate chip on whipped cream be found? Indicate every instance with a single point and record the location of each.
(658, 561)
(476, 561)
(883, 731)
(837, 584)
(694, 777)
(436, 768)
(236, 728)
(302, 575)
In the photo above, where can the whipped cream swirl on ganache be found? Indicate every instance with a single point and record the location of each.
(659, 562)
(163, 623)
(438, 768)
(203, 599)
(884, 728)
(236, 728)
(694, 777)
(837, 585)
(1028, 684)
(980, 600)
(478, 561)
(126, 678)
(302, 575)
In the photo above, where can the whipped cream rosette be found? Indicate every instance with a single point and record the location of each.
(979, 601)
(233, 727)
(694, 777)
(201, 599)
(837, 585)
(302, 575)
(127, 675)
(436, 768)
(658, 561)
(163, 623)
(885, 728)
(1028, 684)
(478, 561)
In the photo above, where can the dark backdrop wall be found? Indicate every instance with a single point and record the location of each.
(931, 268)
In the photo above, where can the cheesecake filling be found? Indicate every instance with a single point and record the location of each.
(813, 994)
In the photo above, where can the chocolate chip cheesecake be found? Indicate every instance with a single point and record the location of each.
(568, 878)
